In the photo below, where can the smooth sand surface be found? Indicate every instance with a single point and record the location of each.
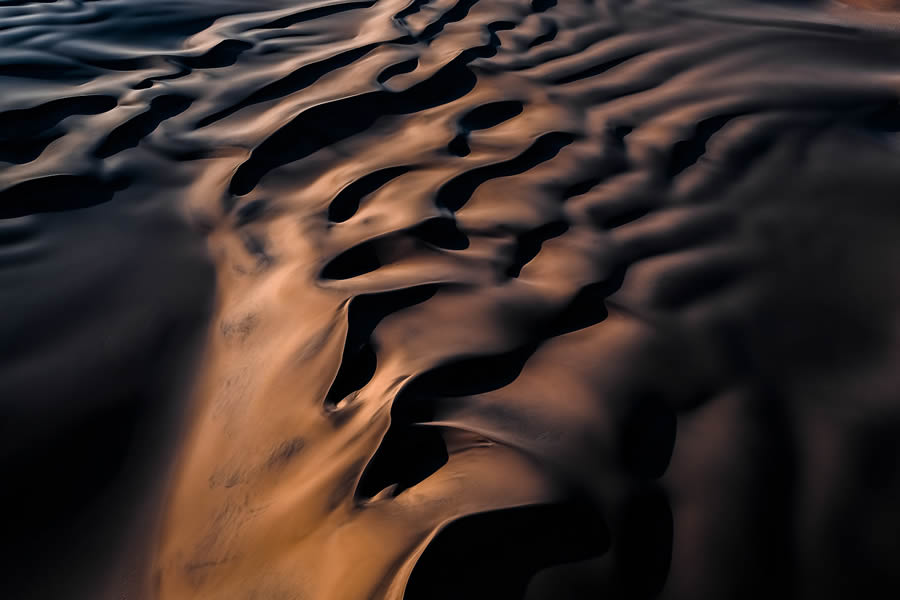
(507, 299)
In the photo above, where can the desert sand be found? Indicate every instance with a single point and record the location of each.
(507, 299)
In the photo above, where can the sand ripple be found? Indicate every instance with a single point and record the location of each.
(450, 298)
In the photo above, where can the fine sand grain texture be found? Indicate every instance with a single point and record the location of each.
(449, 299)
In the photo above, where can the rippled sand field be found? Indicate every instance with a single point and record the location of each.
(469, 299)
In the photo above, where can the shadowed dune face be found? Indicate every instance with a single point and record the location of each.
(449, 299)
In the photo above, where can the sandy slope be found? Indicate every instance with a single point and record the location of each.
(472, 299)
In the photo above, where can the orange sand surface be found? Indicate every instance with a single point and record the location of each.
(470, 299)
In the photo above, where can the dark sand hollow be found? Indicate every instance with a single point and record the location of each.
(449, 299)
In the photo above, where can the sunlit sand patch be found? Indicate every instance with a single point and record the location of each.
(450, 299)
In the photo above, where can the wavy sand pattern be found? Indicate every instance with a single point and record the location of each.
(450, 299)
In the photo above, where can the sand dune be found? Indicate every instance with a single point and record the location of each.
(449, 299)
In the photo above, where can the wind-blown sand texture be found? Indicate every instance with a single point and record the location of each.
(384, 299)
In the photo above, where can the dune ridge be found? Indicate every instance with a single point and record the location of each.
(441, 299)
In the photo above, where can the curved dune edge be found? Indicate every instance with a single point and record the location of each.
(567, 298)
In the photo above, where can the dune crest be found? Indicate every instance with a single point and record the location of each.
(508, 299)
